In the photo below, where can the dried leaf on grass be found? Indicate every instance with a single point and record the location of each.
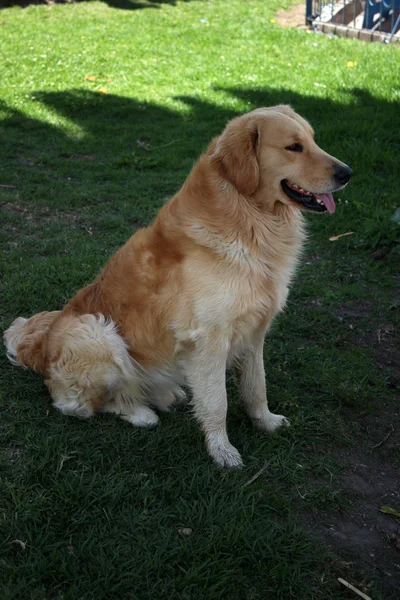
(336, 237)
(143, 145)
(20, 543)
(354, 589)
(388, 510)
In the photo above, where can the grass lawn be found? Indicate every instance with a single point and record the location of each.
(105, 106)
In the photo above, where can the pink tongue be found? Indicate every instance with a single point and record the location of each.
(329, 202)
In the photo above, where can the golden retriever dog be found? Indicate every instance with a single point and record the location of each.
(194, 291)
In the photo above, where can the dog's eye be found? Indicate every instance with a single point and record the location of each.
(295, 147)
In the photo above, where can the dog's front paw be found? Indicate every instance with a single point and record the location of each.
(270, 422)
(224, 454)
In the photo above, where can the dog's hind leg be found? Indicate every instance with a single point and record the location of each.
(134, 411)
(90, 366)
(164, 399)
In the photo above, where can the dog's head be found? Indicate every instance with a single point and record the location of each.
(271, 154)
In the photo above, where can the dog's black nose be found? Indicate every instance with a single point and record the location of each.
(342, 173)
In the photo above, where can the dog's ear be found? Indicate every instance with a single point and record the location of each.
(235, 155)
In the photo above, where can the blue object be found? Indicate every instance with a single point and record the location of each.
(382, 7)
(309, 10)
(394, 28)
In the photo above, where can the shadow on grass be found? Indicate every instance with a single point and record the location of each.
(131, 145)
(122, 4)
(101, 504)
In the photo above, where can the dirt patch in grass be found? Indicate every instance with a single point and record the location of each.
(12, 453)
(363, 537)
(359, 533)
(45, 214)
(295, 16)
(383, 340)
(37, 220)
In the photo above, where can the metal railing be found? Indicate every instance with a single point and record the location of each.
(378, 16)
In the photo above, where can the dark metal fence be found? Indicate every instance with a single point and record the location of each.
(380, 17)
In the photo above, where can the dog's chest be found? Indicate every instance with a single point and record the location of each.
(235, 295)
(238, 301)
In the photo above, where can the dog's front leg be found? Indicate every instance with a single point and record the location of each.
(253, 388)
(205, 372)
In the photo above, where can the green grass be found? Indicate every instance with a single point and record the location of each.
(98, 504)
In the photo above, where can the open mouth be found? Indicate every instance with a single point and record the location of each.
(308, 200)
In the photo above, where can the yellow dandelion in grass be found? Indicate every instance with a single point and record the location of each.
(103, 90)
(351, 63)
(272, 20)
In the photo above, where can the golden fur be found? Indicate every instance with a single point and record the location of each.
(191, 292)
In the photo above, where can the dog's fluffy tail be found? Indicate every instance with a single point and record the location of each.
(85, 361)
(27, 340)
